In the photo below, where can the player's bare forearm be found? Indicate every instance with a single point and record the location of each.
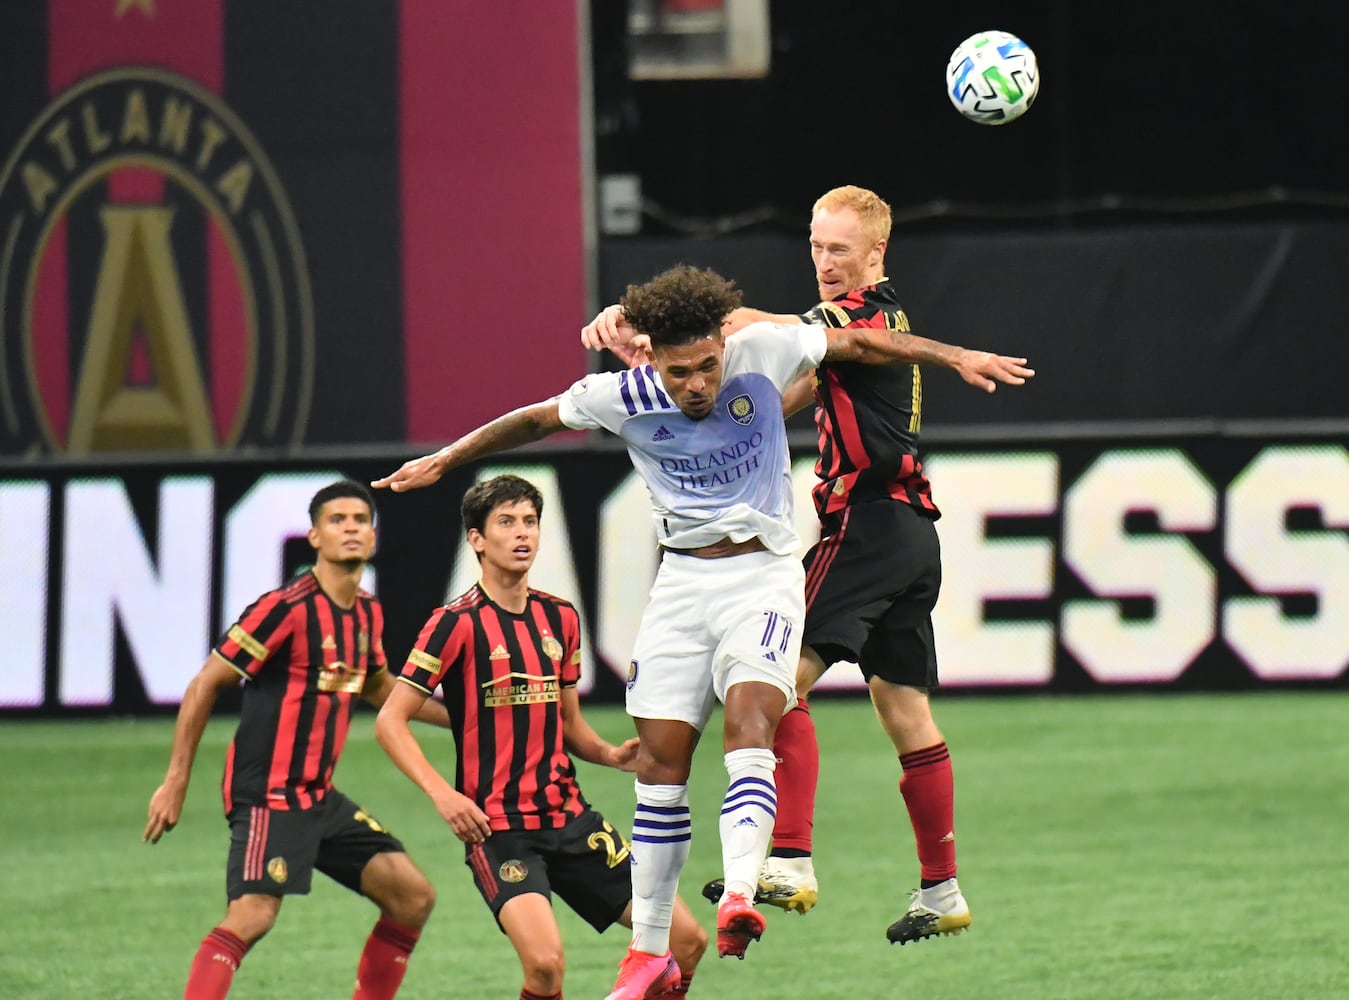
(883, 347)
(741, 317)
(394, 734)
(528, 423)
(583, 743)
(166, 804)
(981, 369)
(193, 713)
(799, 394)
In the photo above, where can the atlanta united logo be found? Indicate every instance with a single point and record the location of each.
(153, 289)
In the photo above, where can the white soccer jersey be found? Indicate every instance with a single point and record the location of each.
(727, 475)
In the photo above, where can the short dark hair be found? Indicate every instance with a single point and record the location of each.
(486, 496)
(336, 491)
(680, 305)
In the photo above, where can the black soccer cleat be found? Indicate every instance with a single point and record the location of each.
(714, 890)
(932, 912)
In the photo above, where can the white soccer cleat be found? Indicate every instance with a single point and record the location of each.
(940, 909)
(788, 883)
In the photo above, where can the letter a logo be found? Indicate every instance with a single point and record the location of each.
(138, 306)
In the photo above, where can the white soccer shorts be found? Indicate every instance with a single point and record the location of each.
(712, 624)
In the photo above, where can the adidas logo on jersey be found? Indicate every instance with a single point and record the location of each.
(662, 434)
(748, 821)
(500, 654)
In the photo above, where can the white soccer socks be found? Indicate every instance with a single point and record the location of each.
(660, 845)
(747, 817)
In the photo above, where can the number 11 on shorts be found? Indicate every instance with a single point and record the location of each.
(774, 626)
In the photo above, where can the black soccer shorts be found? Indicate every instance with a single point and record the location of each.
(871, 584)
(585, 862)
(275, 851)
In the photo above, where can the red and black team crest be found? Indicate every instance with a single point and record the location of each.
(153, 286)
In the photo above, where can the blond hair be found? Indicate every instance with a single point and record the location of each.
(871, 210)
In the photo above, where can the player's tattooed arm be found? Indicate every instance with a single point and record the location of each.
(981, 369)
(528, 423)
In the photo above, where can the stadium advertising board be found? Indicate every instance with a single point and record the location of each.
(1202, 563)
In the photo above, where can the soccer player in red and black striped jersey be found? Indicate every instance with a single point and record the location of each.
(507, 659)
(873, 578)
(307, 650)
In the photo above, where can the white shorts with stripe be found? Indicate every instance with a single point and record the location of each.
(712, 624)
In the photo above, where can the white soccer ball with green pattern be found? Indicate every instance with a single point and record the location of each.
(992, 78)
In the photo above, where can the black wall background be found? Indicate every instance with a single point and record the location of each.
(1186, 100)
(1164, 234)
(1239, 322)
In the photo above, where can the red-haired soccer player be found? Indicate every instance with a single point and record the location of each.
(872, 580)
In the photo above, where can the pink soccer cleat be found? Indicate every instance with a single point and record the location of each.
(644, 976)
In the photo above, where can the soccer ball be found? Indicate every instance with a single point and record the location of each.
(992, 78)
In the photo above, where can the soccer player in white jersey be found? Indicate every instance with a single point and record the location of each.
(704, 428)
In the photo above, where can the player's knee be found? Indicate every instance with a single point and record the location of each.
(250, 917)
(414, 902)
(750, 726)
(421, 901)
(658, 768)
(543, 969)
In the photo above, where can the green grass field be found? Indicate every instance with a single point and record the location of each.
(1112, 847)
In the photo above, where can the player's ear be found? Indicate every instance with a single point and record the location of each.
(314, 536)
(476, 541)
(878, 251)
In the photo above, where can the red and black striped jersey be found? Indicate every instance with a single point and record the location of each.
(502, 676)
(305, 658)
(868, 416)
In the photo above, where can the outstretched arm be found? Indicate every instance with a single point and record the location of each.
(743, 316)
(981, 369)
(610, 329)
(529, 423)
(166, 805)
